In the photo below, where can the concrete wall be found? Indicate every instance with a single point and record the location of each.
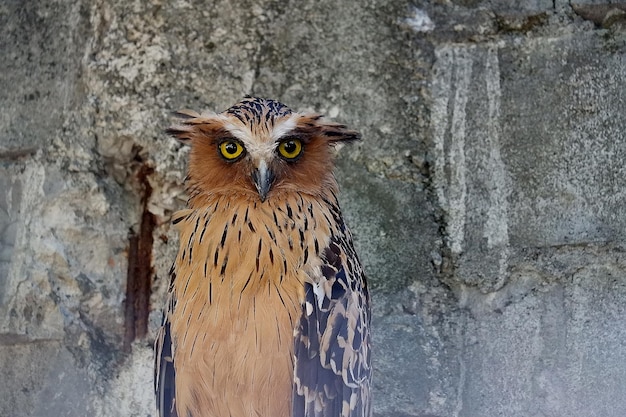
(487, 197)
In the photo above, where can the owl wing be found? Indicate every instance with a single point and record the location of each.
(164, 374)
(332, 369)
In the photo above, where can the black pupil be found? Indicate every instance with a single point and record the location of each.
(290, 146)
(231, 148)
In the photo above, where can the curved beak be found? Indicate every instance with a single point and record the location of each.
(263, 179)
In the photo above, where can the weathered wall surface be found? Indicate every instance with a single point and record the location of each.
(487, 197)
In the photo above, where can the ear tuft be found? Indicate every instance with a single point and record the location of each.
(333, 132)
(186, 114)
(339, 133)
(182, 132)
(190, 125)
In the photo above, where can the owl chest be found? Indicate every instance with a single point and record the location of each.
(239, 360)
(239, 294)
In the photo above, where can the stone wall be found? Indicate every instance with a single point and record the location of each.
(487, 197)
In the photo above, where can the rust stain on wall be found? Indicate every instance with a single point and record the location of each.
(140, 268)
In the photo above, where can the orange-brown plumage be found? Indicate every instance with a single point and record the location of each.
(257, 271)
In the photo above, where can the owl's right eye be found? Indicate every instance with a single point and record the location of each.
(231, 150)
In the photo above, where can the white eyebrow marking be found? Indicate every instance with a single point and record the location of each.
(284, 126)
(260, 148)
(238, 132)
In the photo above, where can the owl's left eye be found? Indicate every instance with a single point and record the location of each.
(290, 148)
(231, 150)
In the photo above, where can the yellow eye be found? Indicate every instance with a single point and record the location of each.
(290, 148)
(231, 149)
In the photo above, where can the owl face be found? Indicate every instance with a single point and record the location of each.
(260, 149)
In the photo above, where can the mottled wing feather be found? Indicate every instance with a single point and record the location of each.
(332, 374)
(164, 373)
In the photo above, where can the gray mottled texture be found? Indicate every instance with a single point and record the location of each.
(487, 197)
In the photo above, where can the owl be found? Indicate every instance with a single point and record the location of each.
(268, 312)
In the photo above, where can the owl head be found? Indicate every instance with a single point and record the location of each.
(259, 148)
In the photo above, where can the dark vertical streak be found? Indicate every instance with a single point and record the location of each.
(129, 308)
(258, 254)
(224, 236)
(269, 232)
(206, 224)
(301, 238)
(247, 282)
(139, 274)
(224, 266)
(195, 229)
